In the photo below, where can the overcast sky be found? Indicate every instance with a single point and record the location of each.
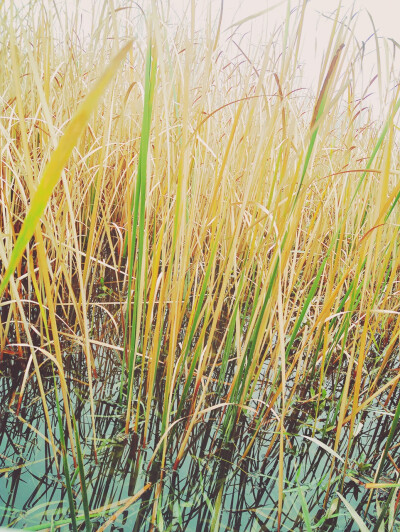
(386, 13)
(316, 30)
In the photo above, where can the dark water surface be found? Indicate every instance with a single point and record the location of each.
(212, 474)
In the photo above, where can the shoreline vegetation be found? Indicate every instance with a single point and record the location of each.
(199, 267)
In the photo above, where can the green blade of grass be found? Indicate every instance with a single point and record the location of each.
(65, 461)
(138, 229)
(85, 503)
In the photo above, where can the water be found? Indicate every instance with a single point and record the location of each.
(212, 474)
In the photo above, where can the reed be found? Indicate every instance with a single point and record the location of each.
(245, 232)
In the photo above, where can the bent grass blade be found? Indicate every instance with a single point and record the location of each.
(57, 162)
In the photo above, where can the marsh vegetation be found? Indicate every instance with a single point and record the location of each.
(199, 263)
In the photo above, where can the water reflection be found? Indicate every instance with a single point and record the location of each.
(211, 477)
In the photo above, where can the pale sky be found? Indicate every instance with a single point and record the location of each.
(386, 13)
(316, 31)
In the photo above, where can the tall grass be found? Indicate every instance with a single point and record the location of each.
(249, 229)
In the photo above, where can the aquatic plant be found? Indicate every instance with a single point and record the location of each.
(199, 273)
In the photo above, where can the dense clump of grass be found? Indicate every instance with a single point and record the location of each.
(248, 231)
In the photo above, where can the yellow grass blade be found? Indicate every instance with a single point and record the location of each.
(57, 162)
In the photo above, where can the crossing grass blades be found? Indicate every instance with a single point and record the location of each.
(199, 276)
